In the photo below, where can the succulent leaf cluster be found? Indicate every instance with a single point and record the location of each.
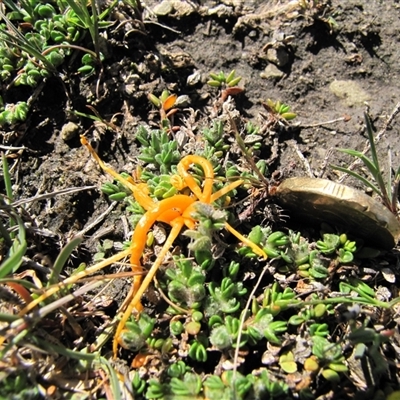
(38, 37)
(158, 149)
(221, 79)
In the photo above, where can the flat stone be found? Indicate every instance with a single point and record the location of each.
(163, 9)
(350, 91)
(183, 8)
(272, 72)
(69, 131)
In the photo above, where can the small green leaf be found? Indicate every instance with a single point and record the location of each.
(214, 83)
(287, 363)
(231, 76)
(234, 82)
(330, 375)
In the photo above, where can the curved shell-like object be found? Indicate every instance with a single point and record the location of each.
(326, 201)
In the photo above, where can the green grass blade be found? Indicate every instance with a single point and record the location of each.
(80, 9)
(16, 252)
(14, 341)
(7, 178)
(28, 6)
(371, 140)
(89, 22)
(10, 195)
(94, 31)
(62, 259)
(378, 177)
(15, 38)
(108, 10)
(114, 381)
(367, 162)
(26, 284)
(12, 6)
(359, 177)
(8, 317)
(55, 348)
(5, 235)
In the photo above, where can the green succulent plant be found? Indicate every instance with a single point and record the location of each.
(280, 109)
(116, 191)
(209, 220)
(264, 387)
(215, 143)
(198, 348)
(224, 298)
(330, 357)
(313, 313)
(137, 332)
(186, 283)
(156, 390)
(224, 333)
(264, 326)
(188, 386)
(227, 386)
(221, 79)
(13, 113)
(157, 148)
(273, 243)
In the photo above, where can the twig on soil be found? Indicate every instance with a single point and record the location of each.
(54, 305)
(345, 118)
(36, 266)
(50, 195)
(325, 162)
(101, 232)
(12, 148)
(243, 317)
(110, 278)
(162, 26)
(305, 162)
(20, 324)
(98, 219)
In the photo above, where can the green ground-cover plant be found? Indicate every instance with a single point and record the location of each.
(12, 113)
(295, 251)
(165, 103)
(206, 313)
(221, 79)
(226, 83)
(38, 37)
(280, 109)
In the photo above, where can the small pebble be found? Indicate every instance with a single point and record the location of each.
(69, 131)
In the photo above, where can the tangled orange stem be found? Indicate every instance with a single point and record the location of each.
(176, 211)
